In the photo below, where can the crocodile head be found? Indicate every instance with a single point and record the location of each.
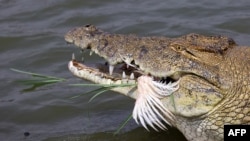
(174, 80)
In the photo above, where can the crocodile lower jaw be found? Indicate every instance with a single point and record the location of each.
(100, 76)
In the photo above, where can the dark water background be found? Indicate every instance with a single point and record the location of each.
(31, 39)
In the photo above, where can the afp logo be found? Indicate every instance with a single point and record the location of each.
(241, 132)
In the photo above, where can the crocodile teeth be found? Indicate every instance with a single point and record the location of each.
(73, 56)
(123, 75)
(127, 61)
(111, 69)
(132, 76)
(90, 53)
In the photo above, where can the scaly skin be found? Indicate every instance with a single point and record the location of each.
(213, 74)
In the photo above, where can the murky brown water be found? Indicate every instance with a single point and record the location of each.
(31, 39)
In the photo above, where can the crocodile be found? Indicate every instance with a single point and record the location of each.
(195, 83)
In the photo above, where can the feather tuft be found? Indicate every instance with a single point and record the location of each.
(149, 110)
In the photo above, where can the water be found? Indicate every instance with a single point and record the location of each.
(31, 39)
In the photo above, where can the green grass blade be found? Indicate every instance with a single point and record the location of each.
(104, 88)
(123, 124)
(172, 100)
(99, 93)
(31, 82)
(90, 92)
(36, 74)
(37, 80)
(104, 85)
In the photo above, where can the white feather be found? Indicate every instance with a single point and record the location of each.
(149, 110)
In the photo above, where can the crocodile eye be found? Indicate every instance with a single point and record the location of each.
(178, 47)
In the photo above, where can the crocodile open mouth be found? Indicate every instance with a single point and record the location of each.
(148, 110)
(120, 73)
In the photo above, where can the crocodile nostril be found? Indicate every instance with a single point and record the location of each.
(88, 25)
